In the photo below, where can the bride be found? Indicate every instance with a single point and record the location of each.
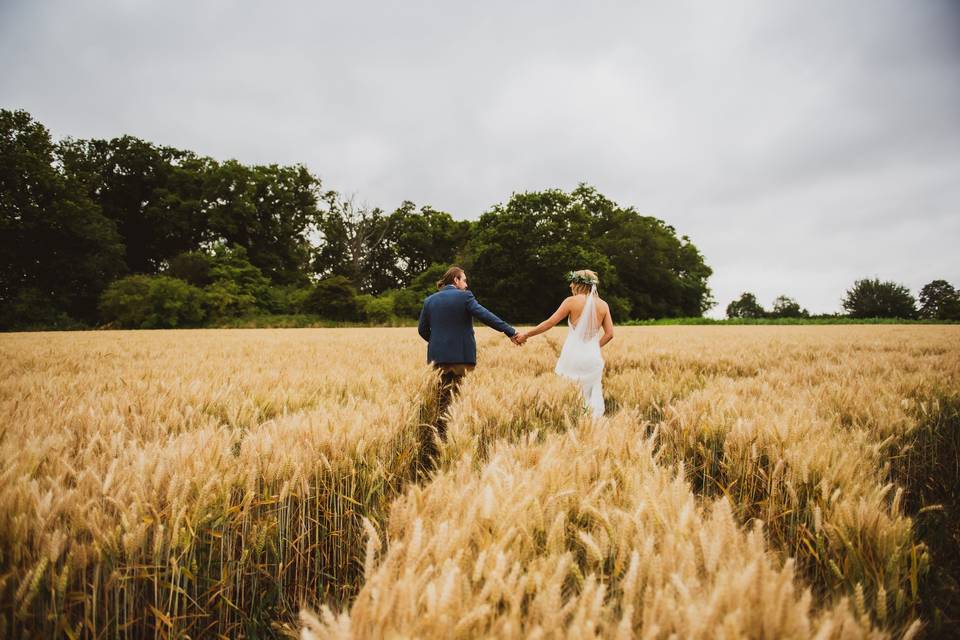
(580, 358)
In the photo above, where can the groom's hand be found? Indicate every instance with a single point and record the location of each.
(518, 339)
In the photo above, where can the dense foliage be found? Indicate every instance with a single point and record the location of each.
(748, 307)
(939, 300)
(871, 298)
(93, 232)
(58, 249)
(100, 231)
(520, 253)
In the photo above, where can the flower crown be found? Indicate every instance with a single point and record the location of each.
(581, 279)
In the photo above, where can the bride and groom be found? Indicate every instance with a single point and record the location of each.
(446, 323)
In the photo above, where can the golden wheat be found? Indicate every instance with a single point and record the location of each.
(759, 481)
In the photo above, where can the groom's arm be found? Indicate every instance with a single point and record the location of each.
(482, 314)
(423, 327)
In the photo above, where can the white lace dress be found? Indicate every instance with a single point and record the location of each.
(580, 358)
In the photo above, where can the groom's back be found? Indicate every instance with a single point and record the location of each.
(449, 306)
(446, 323)
(450, 327)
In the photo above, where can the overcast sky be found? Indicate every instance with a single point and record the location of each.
(800, 145)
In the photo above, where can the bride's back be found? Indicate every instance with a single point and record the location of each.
(578, 301)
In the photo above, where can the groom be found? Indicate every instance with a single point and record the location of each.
(446, 323)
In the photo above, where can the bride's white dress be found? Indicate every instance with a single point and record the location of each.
(580, 358)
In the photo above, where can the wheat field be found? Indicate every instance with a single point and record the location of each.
(768, 482)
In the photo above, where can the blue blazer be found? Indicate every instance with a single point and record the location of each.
(446, 323)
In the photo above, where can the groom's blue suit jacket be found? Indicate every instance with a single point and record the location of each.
(446, 323)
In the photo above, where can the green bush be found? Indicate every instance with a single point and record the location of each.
(193, 267)
(287, 298)
(334, 298)
(407, 303)
(746, 307)
(939, 300)
(379, 309)
(32, 309)
(152, 302)
(225, 299)
(619, 307)
(787, 307)
(871, 298)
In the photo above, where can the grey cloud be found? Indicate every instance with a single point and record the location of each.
(800, 145)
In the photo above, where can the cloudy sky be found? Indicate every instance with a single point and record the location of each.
(801, 145)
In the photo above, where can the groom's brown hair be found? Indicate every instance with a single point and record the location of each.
(452, 274)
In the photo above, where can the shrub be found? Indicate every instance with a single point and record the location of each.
(226, 299)
(193, 267)
(334, 298)
(875, 299)
(287, 298)
(746, 307)
(379, 309)
(31, 308)
(785, 307)
(230, 263)
(152, 302)
(940, 301)
(408, 302)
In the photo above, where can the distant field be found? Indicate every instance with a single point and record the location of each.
(308, 321)
(779, 481)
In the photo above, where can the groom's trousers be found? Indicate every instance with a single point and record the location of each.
(451, 375)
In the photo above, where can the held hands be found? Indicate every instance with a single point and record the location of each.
(518, 339)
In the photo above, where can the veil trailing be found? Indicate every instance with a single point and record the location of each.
(588, 328)
(580, 358)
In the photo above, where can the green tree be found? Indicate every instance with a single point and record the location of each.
(267, 210)
(519, 254)
(354, 244)
(420, 238)
(939, 300)
(154, 195)
(408, 301)
(287, 298)
(786, 307)
(334, 298)
(378, 309)
(57, 250)
(659, 275)
(237, 286)
(746, 307)
(871, 298)
(380, 252)
(166, 201)
(193, 267)
(226, 299)
(152, 302)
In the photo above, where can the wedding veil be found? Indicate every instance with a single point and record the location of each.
(580, 357)
(587, 326)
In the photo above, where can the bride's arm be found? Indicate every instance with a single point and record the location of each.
(562, 312)
(607, 328)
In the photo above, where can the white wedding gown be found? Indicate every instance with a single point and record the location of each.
(580, 358)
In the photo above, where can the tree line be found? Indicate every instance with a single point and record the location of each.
(125, 232)
(867, 298)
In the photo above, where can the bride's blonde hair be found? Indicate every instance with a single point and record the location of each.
(582, 280)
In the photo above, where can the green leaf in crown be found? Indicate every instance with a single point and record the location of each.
(580, 279)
